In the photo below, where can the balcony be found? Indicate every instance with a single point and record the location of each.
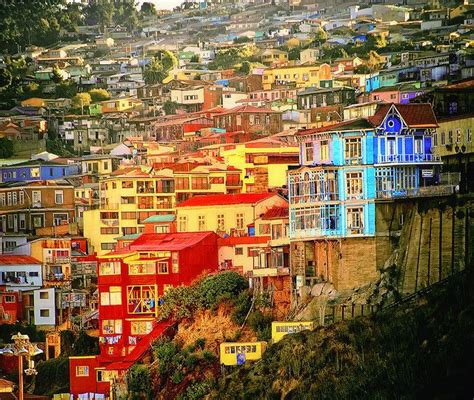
(408, 158)
(57, 260)
(265, 272)
(428, 191)
(314, 198)
(110, 222)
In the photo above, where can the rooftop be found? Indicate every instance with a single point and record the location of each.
(225, 199)
(168, 241)
(18, 260)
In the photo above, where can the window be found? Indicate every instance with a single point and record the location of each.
(458, 137)
(175, 262)
(143, 268)
(37, 221)
(450, 137)
(239, 221)
(418, 145)
(264, 229)
(277, 232)
(9, 198)
(163, 268)
(183, 223)
(82, 370)
(58, 197)
(199, 183)
(44, 313)
(239, 251)
(109, 268)
(107, 246)
(220, 222)
(182, 183)
(2, 200)
(308, 151)
(141, 327)
(469, 135)
(14, 198)
(8, 298)
(35, 172)
(115, 295)
(44, 295)
(201, 223)
(443, 138)
(354, 185)
(324, 150)
(353, 150)
(21, 197)
(391, 147)
(109, 231)
(111, 326)
(36, 197)
(127, 185)
(435, 139)
(355, 220)
(128, 215)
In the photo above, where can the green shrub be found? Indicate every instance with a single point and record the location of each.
(139, 381)
(261, 324)
(213, 288)
(200, 343)
(197, 390)
(53, 377)
(165, 352)
(241, 307)
(177, 377)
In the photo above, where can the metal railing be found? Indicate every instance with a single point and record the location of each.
(408, 158)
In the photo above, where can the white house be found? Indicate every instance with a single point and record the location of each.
(20, 273)
(44, 307)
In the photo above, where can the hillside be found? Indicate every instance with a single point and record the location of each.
(417, 350)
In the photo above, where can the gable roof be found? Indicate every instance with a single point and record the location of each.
(225, 199)
(168, 241)
(415, 115)
(276, 213)
(353, 124)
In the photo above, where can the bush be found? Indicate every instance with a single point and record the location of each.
(165, 351)
(139, 381)
(53, 377)
(261, 324)
(197, 390)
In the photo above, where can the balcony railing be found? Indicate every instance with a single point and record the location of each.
(57, 277)
(57, 260)
(314, 198)
(407, 158)
(428, 191)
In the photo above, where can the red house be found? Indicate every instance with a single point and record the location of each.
(10, 306)
(131, 283)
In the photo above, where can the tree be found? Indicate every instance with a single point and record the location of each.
(154, 72)
(167, 59)
(320, 36)
(148, 9)
(170, 107)
(5, 78)
(6, 148)
(66, 90)
(245, 68)
(57, 76)
(99, 95)
(375, 61)
(195, 58)
(81, 100)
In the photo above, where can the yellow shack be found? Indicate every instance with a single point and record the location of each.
(283, 328)
(235, 353)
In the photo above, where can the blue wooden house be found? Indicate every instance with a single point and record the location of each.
(404, 161)
(346, 167)
(37, 170)
(332, 194)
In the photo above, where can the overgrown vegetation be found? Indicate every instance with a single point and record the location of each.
(182, 302)
(424, 350)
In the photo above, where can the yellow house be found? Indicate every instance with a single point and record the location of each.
(182, 75)
(232, 214)
(120, 105)
(236, 353)
(265, 160)
(99, 164)
(274, 57)
(131, 195)
(281, 329)
(33, 102)
(454, 136)
(300, 75)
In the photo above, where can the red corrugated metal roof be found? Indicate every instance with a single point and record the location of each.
(168, 241)
(225, 199)
(232, 241)
(415, 115)
(249, 109)
(18, 260)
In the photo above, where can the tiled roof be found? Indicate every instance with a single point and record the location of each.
(18, 260)
(225, 199)
(236, 240)
(248, 109)
(161, 218)
(341, 126)
(168, 241)
(415, 115)
(276, 213)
